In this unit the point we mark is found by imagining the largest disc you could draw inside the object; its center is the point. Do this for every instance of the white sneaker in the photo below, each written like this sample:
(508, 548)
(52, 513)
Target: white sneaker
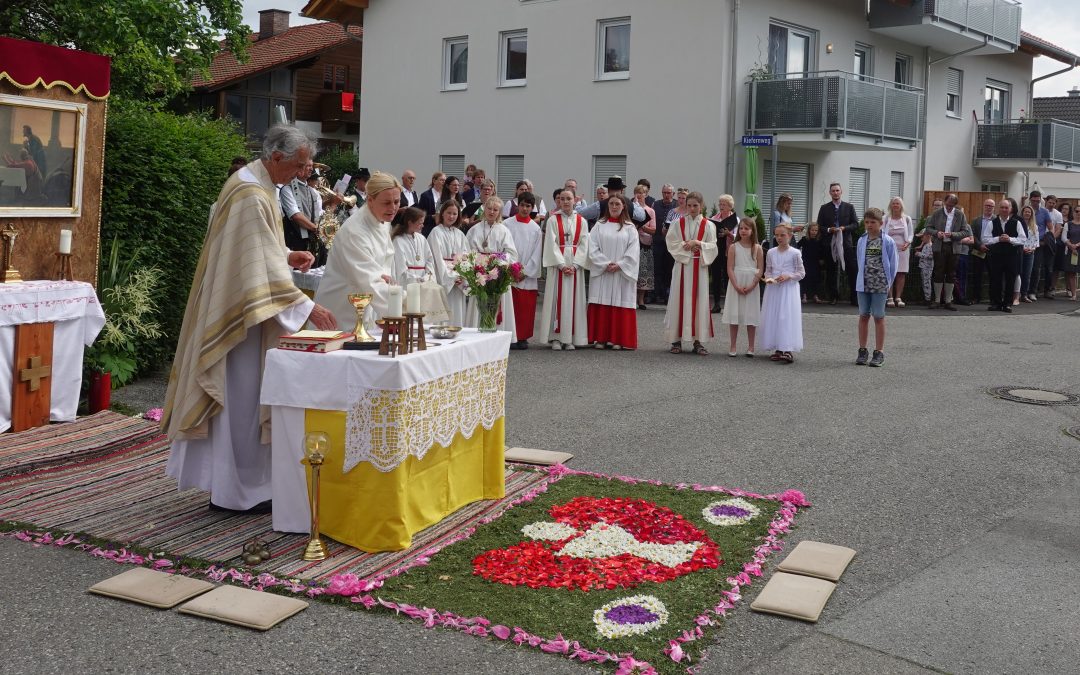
(1032, 297)
(616, 347)
(556, 345)
(568, 347)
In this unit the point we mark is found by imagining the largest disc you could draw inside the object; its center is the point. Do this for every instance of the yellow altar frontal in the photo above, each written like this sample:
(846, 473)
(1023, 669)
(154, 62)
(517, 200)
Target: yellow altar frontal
(375, 511)
(412, 439)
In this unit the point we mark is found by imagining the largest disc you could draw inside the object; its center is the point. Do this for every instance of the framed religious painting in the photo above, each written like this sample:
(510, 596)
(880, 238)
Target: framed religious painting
(42, 147)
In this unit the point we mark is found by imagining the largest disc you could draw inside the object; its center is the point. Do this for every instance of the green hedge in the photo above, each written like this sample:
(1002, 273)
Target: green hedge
(162, 173)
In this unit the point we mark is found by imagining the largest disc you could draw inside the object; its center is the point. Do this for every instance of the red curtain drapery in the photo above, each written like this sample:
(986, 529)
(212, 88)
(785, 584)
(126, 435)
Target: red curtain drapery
(28, 65)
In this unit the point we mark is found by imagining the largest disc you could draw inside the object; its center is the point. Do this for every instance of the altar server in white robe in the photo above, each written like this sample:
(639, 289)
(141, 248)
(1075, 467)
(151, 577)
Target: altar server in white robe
(563, 320)
(491, 236)
(613, 268)
(529, 242)
(412, 257)
(219, 434)
(691, 239)
(362, 257)
(446, 241)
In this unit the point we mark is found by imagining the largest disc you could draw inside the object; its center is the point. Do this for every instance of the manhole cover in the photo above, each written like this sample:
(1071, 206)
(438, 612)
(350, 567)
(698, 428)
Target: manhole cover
(1033, 396)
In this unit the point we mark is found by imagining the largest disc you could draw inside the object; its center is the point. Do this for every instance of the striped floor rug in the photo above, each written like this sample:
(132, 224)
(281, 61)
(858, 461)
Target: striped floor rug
(125, 497)
(54, 444)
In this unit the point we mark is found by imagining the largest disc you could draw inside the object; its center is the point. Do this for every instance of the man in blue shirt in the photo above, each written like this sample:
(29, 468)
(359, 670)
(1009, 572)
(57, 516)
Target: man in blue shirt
(1044, 255)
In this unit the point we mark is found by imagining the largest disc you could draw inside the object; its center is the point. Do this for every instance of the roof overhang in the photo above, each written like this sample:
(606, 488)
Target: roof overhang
(1036, 46)
(348, 12)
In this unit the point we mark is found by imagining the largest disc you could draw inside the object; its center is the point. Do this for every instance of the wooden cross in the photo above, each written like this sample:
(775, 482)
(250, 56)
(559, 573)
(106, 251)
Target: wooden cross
(35, 373)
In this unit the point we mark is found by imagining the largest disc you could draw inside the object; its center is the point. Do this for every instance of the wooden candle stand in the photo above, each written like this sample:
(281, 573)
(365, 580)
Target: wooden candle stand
(393, 329)
(414, 332)
(65, 267)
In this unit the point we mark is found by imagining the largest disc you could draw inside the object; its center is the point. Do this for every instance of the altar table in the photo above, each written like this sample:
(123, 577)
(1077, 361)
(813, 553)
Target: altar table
(77, 318)
(413, 438)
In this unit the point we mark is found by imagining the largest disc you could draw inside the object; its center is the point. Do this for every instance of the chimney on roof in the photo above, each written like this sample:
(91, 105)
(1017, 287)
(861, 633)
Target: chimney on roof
(273, 22)
(1074, 92)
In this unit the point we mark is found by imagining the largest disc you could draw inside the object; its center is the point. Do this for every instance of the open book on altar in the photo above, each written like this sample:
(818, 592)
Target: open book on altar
(314, 340)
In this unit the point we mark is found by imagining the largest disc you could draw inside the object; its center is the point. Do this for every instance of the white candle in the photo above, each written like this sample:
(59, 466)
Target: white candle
(394, 302)
(65, 241)
(412, 298)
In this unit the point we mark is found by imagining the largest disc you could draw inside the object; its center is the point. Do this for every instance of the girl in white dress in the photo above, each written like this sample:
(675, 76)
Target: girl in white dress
(491, 236)
(691, 240)
(742, 305)
(781, 310)
(613, 270)
(563, 319)
(412, 257)
(446, 241)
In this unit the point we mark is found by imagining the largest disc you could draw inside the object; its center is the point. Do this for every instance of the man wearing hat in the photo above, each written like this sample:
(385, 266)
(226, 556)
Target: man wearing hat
(615, 186)
(360, 186)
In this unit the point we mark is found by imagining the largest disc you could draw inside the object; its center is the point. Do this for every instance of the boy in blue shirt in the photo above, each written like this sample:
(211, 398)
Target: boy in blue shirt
(878, 260)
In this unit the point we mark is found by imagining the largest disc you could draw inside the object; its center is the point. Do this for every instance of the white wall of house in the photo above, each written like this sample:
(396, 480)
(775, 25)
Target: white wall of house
(670, 117)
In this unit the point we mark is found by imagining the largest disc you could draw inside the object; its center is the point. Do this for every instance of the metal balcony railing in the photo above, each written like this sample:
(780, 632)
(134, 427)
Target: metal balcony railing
(1050, 143)
(835, 103)
(997, 19)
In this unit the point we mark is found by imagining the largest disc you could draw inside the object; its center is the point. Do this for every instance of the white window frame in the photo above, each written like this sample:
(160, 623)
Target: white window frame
(504, 54)
(950, 184)
(905, 62)
(448, 64)
(958, 95)
(853, 173)
(994, 186)
(896, 178)
(811, 37)
(601, 48)
(868, 60)
(1005, 89)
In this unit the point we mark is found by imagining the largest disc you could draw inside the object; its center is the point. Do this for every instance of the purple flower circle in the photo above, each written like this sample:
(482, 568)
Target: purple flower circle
(630, 614)
(730, 510)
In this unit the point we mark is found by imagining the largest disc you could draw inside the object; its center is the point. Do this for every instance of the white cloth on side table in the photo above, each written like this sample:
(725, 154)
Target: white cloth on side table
(77, 318)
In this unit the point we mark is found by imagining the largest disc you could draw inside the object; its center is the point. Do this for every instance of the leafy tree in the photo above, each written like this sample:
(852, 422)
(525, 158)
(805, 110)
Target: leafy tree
(156, 46)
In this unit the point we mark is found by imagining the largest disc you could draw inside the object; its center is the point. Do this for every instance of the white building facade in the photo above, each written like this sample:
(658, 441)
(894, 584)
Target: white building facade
(553, 89)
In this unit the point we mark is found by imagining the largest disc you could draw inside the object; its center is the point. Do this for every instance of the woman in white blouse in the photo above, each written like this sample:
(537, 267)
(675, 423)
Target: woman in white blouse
(898, 225)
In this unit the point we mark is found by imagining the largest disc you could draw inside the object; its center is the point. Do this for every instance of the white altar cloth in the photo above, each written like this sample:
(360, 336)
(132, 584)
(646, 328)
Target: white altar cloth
(343, 378)
(77, 319)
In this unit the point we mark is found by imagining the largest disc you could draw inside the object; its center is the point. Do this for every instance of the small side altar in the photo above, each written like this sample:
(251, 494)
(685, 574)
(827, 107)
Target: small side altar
(65, 314)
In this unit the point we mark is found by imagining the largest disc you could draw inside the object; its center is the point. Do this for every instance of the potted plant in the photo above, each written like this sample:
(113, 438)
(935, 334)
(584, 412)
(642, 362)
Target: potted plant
(487, 277)
(126, 292)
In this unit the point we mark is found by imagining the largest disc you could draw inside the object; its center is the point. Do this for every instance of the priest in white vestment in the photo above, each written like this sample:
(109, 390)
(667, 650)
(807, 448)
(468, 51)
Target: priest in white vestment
(691, 239)
(242, 299)
(362, 257)
(563, 320)
(491, 236)
(447, 240)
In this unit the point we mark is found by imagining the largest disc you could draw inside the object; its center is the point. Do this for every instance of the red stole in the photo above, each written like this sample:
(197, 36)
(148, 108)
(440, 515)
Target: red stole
(682, 279)
(562, 248)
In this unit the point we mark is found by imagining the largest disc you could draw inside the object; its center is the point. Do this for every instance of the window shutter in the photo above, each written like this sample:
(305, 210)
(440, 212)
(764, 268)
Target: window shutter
(952, 81)
(509, 169)
(858, 188)
(453, 165)
(604, 167)
(896, 184)
(794, 179)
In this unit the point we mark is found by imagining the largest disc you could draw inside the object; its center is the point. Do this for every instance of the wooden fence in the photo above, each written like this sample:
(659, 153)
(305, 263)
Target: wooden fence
(970, 202)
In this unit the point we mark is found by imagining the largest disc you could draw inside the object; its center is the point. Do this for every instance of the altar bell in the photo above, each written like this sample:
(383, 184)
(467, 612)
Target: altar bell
(563, 320)
(528, 239)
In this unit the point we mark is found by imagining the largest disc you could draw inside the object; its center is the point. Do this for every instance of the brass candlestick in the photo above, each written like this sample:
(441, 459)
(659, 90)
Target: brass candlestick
(393, 328)
(414, 332)
(316, 444)
(65, 267)
(360, 302)
(8, 274)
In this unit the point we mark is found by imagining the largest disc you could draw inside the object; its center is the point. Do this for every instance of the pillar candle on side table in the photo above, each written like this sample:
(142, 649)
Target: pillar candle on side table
(65, 241)
(394, 302)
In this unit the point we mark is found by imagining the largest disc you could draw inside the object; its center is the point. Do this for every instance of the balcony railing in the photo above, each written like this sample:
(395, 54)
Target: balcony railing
(835, 103)
(1047, 143)
(950, 24)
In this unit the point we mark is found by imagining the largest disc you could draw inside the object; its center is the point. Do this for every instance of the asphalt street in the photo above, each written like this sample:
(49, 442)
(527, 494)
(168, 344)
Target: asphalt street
(964, 508)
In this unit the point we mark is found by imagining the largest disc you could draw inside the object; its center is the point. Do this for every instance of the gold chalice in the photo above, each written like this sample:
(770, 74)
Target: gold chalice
(360, 302)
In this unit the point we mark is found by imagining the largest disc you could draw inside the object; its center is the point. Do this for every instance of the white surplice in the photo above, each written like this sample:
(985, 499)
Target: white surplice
(412, 260)
(610, 244)
(529, 242)
(679, 231)
(485, 238)
(444, 243)
(361, 254)
(564, 317)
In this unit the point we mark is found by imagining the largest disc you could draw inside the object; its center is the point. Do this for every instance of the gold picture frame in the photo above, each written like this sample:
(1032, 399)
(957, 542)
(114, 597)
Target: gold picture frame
(42, 157)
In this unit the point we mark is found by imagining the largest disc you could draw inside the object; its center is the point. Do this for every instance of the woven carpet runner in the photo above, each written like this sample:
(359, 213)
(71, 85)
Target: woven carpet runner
(125, 497)
(53, 444)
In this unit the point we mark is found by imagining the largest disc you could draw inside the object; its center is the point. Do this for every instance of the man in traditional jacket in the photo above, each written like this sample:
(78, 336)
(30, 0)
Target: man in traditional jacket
(242, 300)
